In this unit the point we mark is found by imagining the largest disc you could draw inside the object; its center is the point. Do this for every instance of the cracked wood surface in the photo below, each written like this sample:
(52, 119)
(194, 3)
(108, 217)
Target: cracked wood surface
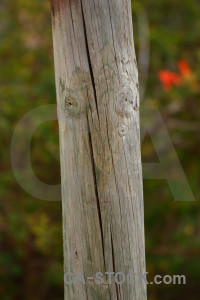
(98, 103)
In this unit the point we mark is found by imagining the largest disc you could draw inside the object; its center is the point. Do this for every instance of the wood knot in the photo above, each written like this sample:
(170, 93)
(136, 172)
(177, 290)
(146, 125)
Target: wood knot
(74, 100)
(127, 102)
(71, 105)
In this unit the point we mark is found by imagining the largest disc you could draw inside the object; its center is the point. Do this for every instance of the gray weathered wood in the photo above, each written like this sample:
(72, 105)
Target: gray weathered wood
(98, 111)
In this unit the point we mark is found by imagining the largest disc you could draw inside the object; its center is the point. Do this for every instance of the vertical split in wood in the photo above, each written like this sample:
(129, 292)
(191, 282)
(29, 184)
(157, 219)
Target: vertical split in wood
(98, 102)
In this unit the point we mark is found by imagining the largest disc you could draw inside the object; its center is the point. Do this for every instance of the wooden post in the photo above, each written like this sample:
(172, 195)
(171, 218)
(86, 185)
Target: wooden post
(98, 111)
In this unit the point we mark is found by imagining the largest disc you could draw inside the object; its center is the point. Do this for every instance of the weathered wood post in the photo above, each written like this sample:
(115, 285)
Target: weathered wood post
(98, 111)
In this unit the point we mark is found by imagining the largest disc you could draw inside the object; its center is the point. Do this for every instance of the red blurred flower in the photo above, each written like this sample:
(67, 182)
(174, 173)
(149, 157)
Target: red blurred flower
(184, 68)
(168, 79)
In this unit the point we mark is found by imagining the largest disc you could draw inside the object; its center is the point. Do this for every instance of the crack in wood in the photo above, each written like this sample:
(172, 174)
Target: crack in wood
(113, 263)
(89, 61)
(96, 191)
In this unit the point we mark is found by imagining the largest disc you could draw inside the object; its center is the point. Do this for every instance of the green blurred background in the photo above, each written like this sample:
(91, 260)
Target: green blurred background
(31, 259)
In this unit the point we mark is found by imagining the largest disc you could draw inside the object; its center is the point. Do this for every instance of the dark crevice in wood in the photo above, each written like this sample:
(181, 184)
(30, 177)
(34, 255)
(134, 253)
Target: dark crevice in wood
(96, 189)
(89, 60)
(89, 133)
(113, 263)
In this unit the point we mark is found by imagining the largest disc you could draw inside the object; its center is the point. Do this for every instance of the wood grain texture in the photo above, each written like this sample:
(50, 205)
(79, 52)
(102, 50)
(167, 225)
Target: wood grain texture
(98, 112)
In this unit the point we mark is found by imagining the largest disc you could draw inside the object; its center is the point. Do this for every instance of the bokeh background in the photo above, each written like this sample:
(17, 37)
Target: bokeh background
(31, 259)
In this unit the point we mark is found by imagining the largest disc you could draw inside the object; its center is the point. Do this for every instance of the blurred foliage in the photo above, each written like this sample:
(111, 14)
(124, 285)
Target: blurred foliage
(31, 261)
